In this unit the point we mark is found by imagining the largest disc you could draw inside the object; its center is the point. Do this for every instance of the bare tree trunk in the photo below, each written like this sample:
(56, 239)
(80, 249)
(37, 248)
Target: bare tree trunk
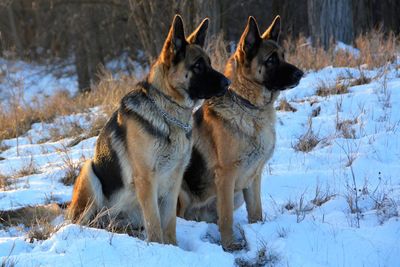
(294, 16)
(386, 14)
(95, 53)
(152, 20)
(330, 20)
(362, 16)
(11, 19)
(82, 69)
(214, 10)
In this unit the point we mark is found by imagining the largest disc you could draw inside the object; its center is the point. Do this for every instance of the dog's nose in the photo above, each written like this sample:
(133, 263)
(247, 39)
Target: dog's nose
(298, 74)
(225, 83)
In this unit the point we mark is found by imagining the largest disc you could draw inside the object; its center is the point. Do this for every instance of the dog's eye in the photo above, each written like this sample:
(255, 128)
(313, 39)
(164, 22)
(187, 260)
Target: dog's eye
(272, 60)
(198, 66)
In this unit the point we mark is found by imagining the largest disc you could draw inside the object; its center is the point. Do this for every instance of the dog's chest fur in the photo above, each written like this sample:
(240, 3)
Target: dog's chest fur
(258, 147)
(138, 136)
(175, 148)
(167, 143)
(255, 150)
(254, 135)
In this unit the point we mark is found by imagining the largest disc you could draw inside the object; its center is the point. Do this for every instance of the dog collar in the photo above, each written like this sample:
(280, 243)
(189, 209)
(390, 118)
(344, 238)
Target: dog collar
(242, 101)
(187, 127)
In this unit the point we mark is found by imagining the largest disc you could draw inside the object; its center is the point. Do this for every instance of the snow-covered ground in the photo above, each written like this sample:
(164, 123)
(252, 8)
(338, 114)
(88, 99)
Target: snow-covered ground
(28, 82)
(337, 205)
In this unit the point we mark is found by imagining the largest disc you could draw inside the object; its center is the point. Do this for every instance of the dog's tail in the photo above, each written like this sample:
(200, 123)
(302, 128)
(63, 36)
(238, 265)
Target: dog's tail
(87, 196)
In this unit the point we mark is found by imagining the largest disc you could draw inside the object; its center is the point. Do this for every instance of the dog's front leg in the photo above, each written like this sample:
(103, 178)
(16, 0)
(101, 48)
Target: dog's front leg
(225, 183)
(146, 188)
(168, 209)
(252, 197)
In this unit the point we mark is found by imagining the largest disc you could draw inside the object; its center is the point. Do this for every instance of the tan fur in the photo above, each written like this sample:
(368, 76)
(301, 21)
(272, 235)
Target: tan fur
(82, 205)
(226, 152)
(153, 152)
(235, 142)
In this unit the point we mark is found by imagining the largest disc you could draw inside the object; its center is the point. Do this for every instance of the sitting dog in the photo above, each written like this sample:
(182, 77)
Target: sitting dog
(144, 148)
(234, 135)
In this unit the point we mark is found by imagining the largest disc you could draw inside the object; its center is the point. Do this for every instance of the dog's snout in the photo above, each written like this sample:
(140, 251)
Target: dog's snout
(298, 74)
(225, 83)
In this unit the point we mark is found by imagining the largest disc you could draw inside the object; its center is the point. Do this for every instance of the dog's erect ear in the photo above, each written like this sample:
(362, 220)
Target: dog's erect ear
(273, 30)
(198, 36)
(250, 40)
(175, 44)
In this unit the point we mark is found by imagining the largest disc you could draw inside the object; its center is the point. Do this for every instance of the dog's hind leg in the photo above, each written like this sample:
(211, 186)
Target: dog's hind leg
(86, 196)
(183, 201)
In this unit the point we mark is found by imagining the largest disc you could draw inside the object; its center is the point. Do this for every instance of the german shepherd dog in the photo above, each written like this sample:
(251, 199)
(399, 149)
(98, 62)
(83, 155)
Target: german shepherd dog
(234, 135)
(144, 148)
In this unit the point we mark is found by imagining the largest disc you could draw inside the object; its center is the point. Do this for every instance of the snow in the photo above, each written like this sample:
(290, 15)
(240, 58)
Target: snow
(308, 198)
(30, 82)
(347, 48)
(74, 245)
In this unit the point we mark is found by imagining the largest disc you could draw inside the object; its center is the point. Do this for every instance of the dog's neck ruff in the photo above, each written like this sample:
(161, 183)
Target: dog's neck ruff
(187, 127)
(241, 101)
(244, 103)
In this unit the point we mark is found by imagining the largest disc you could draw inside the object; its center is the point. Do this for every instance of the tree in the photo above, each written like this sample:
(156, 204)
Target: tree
(362, 16)
(330, 20)
(294, 16)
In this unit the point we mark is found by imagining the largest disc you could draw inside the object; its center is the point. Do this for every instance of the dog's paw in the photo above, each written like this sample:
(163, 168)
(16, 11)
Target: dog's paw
(255, 219)
(234, 246)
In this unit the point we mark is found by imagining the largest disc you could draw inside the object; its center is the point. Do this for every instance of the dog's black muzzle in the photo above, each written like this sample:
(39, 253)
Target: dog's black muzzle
(286, 76)
(209, 84)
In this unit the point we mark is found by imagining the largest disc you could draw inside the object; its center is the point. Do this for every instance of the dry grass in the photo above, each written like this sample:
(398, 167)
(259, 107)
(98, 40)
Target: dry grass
(376, 49)
(265, 256)
(37, 218)
(70, 175)
(5, 182)
(105, 220)
(217, 48)
(307, 141)
(28, 169)
(72, 168)
(30, 216)
(345, 128)
(71, 129)
(18, 119)
(339, 88)
(94, 130)
(41, 231)
(360, 80)
(284, 105)
(3, 147)
(96, 126)
(321, 197)
(386, 207)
